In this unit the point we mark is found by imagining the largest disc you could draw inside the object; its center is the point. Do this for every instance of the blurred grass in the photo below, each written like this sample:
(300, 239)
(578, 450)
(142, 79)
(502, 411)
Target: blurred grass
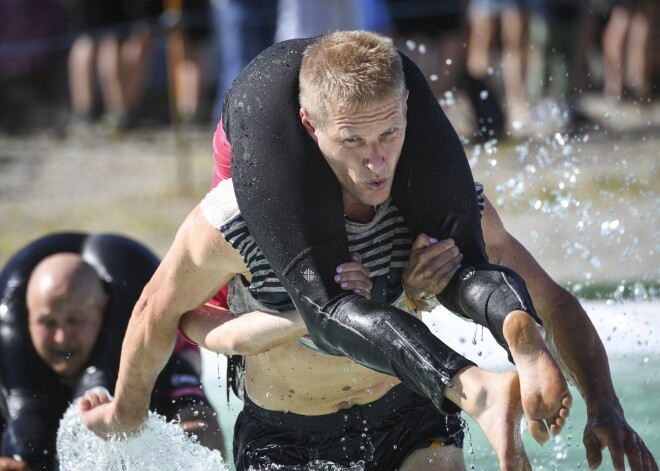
(128, 185)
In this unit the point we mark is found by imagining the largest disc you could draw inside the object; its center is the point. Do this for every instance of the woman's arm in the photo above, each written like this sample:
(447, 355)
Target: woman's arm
(217, 329)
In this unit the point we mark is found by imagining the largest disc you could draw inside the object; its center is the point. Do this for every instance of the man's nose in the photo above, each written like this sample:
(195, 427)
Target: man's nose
(376, 157)
(62, 335)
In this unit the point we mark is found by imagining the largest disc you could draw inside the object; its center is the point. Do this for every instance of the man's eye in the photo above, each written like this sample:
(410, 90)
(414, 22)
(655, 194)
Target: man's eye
(389, 132)
(351, 139)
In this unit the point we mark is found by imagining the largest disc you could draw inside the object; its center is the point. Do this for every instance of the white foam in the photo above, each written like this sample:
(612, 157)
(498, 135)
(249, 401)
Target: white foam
(629, 328)
(159, 446)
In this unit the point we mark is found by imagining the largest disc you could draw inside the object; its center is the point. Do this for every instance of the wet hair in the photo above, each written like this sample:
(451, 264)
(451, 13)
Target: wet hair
(347, 70)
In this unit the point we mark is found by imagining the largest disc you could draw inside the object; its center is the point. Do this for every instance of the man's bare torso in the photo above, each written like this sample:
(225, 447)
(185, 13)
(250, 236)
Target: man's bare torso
(295, 379)
(291, 377)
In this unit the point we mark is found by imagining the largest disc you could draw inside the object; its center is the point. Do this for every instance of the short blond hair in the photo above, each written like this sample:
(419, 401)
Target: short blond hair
(347, 70)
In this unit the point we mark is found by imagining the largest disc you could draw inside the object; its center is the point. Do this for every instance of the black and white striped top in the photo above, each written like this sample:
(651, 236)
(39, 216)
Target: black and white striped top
(383, 244)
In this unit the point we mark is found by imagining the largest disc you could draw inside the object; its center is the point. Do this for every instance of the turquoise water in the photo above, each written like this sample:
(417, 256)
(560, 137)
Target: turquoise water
(628, 332)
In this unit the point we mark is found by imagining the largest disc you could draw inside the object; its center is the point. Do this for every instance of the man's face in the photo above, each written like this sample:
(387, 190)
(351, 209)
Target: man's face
(64, 325)
(363, 148)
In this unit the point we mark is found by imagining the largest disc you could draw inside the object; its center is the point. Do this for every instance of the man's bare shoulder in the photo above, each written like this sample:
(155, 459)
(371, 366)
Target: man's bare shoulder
(206, 246)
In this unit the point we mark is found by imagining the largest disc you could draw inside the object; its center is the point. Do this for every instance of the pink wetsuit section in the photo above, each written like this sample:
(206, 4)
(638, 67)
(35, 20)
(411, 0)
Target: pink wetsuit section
(222, 171)
(221, 155)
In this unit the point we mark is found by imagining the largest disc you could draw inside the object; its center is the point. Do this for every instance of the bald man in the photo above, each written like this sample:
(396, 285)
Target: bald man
(67, 303)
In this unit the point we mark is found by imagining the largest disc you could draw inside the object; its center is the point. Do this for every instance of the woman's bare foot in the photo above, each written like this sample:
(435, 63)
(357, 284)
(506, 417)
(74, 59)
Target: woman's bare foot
(544, 392)
(493, 401)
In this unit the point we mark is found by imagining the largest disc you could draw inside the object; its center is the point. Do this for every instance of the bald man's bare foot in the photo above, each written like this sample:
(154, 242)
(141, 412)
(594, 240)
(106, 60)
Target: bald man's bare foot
(493, 401)
(544, 392)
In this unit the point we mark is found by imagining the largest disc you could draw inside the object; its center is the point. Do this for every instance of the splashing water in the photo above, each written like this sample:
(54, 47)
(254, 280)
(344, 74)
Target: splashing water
(597, 207)
(159, 446)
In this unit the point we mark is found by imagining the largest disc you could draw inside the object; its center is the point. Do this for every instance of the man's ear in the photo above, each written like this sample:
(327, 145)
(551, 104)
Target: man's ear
(311, 130)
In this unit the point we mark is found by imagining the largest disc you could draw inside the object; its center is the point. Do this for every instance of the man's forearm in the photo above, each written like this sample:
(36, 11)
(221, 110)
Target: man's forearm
(578, 348)
(145, 352)
(569, 331)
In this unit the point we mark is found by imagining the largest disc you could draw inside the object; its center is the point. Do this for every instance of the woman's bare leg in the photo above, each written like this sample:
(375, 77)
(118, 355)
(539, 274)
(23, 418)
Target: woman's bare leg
(544, 391)
(493, 401)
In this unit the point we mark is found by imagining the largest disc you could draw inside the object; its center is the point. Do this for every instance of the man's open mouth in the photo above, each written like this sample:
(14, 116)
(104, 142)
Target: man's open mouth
(376, 185)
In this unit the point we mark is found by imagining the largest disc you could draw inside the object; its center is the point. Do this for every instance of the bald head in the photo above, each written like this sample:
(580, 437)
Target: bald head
(63, 274)
(65, 300)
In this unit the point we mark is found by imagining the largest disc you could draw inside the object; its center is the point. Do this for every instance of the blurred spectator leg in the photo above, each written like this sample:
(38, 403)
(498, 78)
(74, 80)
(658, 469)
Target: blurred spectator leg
(482, 32)
(488, 113)
(613, 39)
(433, 34)
(110, 83)
(134, 62)
(81, 60)
(638, 54)
(196, 32)
(189, 82)
(514, 64)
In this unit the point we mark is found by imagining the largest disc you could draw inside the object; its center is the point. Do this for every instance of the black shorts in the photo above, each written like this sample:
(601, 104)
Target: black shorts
(380, 434)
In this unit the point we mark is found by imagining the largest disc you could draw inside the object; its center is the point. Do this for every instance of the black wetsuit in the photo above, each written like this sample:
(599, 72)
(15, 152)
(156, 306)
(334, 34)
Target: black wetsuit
(280, 175)
(34, 395)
